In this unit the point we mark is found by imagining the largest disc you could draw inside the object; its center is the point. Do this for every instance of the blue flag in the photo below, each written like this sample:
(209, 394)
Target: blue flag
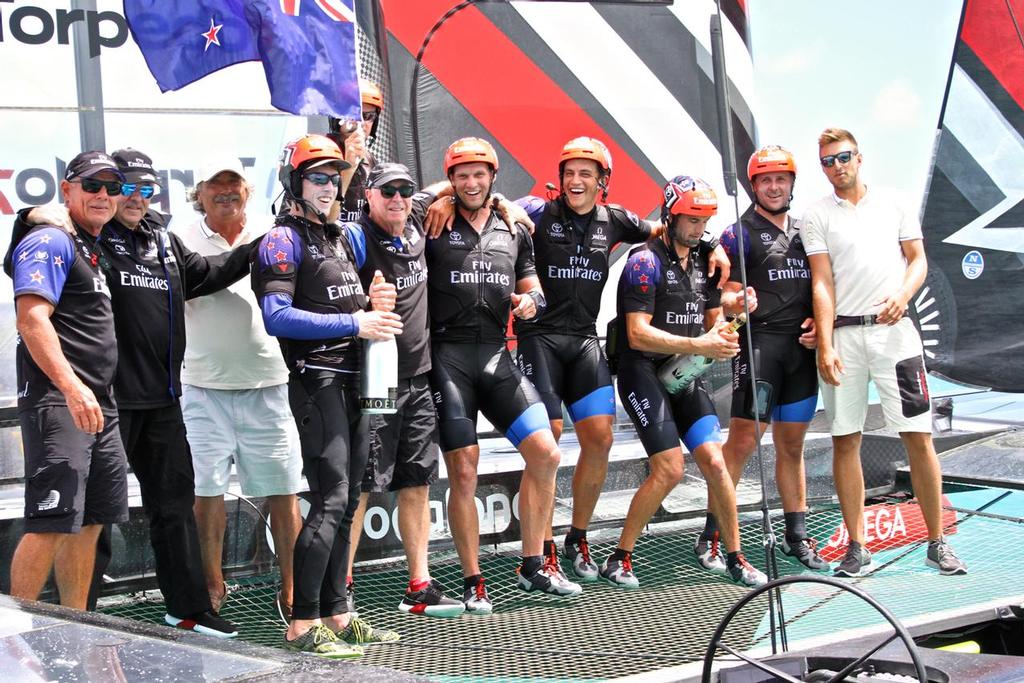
(308, 47)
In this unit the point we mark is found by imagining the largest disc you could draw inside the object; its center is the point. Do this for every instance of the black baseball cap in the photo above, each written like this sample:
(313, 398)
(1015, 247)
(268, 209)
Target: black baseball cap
(382, 174)
(88, 164)
(135, 166)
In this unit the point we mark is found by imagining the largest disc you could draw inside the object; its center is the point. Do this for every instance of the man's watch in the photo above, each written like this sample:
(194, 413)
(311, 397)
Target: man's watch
(709, 240)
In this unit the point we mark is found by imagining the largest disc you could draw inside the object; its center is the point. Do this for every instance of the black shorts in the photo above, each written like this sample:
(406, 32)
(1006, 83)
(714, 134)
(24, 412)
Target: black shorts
(469, 377)
(570, 369)
(72, 479)
(662, 420)
(403, 446)
(787, 379)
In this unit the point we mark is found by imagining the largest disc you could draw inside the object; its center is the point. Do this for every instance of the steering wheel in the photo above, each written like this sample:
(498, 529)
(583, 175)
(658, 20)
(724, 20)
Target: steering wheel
(900, 632)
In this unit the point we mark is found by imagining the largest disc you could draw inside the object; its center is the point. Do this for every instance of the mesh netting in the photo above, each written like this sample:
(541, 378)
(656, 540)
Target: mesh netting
(609, 632)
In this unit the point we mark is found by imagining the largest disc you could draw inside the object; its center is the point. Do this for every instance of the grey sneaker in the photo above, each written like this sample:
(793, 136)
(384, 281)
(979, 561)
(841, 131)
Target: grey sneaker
(941, 557)
(620, 572)
(856, 562)
(321, 641)
(477, 600)
(746, 574)
(582, 565)
(805, 551)
(709, 555)
(359, 632)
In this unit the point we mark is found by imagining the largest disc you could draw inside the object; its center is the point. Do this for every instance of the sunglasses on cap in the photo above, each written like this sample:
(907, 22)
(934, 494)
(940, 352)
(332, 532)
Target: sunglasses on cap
(323, 178)
(370, 116)
(92, 186)
(145, 191)
(389, 191)
(843, 158)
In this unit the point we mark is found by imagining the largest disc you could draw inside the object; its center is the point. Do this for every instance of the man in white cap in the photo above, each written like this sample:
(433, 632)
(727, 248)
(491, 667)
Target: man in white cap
(234, 395)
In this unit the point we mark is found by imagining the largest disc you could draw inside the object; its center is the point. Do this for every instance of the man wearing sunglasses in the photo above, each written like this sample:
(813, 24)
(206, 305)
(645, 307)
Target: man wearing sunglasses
(403, 446)
(75, 469)
(867, 260)
(233, 367)
(150, 273)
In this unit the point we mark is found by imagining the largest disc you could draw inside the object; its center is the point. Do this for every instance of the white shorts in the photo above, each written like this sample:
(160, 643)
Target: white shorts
(252, 427)
(891, 356)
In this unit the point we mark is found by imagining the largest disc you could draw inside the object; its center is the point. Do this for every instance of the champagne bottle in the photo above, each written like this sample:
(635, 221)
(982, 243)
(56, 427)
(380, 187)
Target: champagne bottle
(379, 379)
(681, 370)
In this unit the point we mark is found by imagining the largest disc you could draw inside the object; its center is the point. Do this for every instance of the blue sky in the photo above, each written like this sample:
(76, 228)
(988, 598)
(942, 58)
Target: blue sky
(878, 69)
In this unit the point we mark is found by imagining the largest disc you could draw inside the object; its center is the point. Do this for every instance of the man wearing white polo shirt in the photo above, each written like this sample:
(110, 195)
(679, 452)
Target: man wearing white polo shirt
(235, 388)
(867, 261)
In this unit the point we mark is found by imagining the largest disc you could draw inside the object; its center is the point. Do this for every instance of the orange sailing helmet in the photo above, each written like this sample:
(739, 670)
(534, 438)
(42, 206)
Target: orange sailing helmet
(770, 159)
(688, 196)
(469, 150)
(303, 153)
(592, 149)
(370, 94)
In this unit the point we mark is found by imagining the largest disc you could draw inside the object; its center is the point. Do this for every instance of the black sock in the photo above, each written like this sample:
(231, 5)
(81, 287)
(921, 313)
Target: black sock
(796, 526)
(575, 535)
(710, 527)
(471, 581)
(549, 548)
(733, 559)
(531, 565)
(619, 554)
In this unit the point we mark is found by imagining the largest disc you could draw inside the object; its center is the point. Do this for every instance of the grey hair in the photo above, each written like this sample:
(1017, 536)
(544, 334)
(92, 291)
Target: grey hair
(192, 196)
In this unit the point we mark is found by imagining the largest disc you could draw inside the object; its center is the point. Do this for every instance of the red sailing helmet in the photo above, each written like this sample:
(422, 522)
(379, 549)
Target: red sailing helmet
(469, 150)
(771, 159)
(688, 196)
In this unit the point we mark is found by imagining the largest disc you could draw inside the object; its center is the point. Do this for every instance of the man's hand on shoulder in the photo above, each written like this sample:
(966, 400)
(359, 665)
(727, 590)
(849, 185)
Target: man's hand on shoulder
(51, 214)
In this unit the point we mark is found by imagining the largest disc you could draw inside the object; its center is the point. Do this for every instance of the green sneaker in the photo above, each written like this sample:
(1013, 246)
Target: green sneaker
(359, 632)
(321, 641)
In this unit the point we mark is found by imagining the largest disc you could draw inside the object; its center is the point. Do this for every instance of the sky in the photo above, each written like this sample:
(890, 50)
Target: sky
(878, 69)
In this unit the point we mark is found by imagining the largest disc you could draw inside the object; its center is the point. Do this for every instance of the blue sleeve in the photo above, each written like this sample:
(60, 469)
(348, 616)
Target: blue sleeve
(358, 241)
(731, 244)
(640, 278)
(284, 320)
(533, 206)
(281, 249)
(42, 262)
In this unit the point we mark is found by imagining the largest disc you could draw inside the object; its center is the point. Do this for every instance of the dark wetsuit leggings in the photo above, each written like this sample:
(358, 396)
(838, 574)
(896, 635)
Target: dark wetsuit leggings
(332, 433)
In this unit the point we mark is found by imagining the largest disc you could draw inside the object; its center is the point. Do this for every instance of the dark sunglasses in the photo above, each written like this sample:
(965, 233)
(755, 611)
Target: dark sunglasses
(92, 186)
(145, 191)
(389, 191)
(370, 116)
(323, 178)
(843, 158)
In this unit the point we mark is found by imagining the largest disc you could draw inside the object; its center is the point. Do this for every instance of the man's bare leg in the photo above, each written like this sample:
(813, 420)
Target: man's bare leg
(414, 525)
(462, 513)
(285, 524)
(212, 522)
(73, 564)
(849, 482)
(926, 478)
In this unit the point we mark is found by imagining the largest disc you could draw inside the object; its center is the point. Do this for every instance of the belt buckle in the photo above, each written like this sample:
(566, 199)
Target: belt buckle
(867, 320)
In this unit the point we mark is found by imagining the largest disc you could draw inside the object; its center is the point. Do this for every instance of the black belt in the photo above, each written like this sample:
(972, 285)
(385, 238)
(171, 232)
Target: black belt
(850, 320)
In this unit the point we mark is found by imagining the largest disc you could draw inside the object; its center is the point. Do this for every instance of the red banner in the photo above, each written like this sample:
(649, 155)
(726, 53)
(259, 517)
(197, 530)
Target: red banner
(888, 526)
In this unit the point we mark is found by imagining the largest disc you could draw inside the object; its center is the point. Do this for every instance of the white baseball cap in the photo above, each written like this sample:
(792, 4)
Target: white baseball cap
(220, 165)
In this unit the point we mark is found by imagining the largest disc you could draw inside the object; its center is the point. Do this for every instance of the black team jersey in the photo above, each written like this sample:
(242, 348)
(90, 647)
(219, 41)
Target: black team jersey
(472, 277)
(654, 282)
(777, 269)
(572, 255)
(64, 270)
(403, 262)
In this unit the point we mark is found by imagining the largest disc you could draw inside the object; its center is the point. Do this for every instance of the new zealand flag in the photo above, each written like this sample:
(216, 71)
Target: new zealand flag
(307, 47)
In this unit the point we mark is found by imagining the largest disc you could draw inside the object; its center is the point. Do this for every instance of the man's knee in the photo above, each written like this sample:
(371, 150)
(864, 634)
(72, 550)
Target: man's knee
(462, 470)
(667, 468)
(541, 453)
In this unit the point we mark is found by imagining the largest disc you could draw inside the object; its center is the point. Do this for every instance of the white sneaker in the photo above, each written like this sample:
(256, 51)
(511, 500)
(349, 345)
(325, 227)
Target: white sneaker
(709, 555)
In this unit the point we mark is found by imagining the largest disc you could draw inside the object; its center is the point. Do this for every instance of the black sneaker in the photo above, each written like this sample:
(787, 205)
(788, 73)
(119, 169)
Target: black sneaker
(548, 579)
(805, 551)
(207, 623)
(431, 601)
(350, 598)
(619, 572)
(941, 556)
(856, 562)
